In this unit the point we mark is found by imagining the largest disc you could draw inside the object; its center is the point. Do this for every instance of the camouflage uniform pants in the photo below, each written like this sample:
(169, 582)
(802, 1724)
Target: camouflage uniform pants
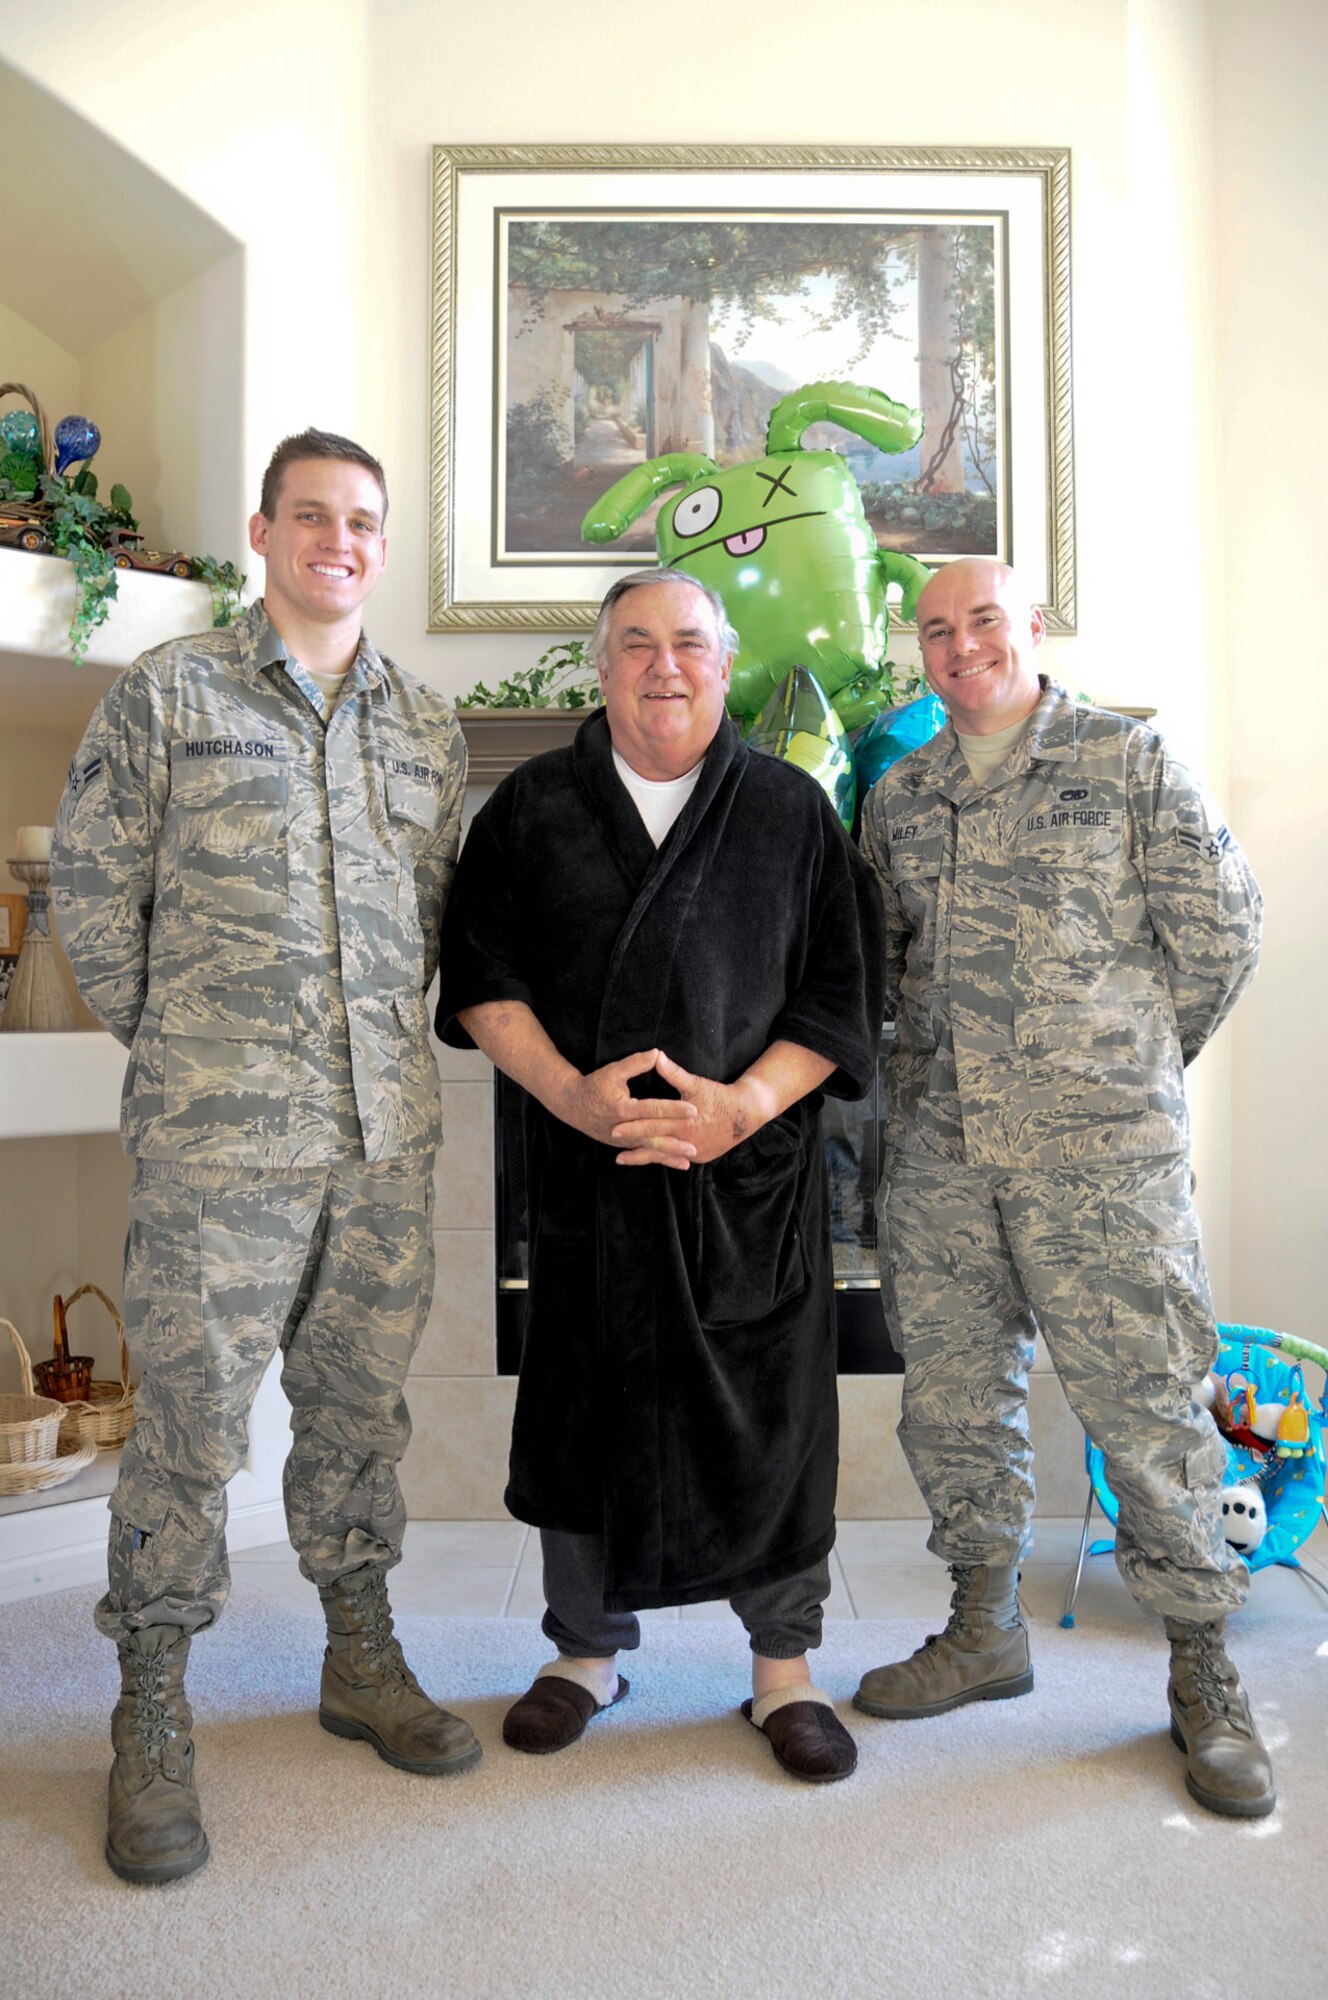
(222, 1266)
(1106, 1263)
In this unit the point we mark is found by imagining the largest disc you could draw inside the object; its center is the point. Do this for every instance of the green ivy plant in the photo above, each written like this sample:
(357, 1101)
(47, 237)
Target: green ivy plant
(563, 678)
(80, 528)
(225, 583)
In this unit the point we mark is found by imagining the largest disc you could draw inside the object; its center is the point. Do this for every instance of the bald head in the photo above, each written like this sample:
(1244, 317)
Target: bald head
(979, 632)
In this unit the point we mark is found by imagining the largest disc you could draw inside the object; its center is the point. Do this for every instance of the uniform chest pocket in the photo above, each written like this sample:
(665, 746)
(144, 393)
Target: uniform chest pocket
(1066, 889)
(411, 803)
(915, 868)
(749, 1250)
(231, 818)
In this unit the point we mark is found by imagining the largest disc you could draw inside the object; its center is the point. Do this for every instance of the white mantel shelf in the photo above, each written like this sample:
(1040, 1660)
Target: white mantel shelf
(40, 687)
(60, 1086)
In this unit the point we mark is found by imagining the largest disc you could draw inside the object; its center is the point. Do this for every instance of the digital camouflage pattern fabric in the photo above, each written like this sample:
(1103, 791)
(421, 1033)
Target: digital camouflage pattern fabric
(222, 1266)
(1063, 936)
(1106, 1264)
(1061, 939)
(249, 885)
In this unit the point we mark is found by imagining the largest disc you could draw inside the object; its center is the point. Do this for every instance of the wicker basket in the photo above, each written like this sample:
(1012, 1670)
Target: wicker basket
(43, 425)
(107, 1417)
(70, 1458)
(28, 1424)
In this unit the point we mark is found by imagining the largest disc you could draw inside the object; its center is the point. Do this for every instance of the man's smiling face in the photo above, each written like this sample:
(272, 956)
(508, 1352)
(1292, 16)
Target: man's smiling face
(664, 677)
(325, 546)
(978, 634)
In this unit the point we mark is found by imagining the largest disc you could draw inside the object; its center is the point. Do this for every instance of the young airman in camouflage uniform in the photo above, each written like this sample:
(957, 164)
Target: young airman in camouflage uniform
(1067, 925)
(251, 859)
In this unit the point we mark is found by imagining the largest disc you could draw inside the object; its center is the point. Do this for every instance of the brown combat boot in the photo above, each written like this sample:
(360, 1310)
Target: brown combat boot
(982, 1655)
(154, 1824)
(368, 1691)
(1227, 1767)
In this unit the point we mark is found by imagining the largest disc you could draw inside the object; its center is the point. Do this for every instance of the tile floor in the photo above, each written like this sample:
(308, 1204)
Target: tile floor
(879, 1569)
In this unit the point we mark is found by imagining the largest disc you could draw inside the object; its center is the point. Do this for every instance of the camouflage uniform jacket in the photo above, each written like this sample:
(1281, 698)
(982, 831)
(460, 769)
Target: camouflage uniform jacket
(1061, 939)
(250, 898)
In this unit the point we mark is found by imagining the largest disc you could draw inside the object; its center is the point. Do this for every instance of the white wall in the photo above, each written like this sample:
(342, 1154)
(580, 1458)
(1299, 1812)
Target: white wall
(304, 127)
(1270, 173)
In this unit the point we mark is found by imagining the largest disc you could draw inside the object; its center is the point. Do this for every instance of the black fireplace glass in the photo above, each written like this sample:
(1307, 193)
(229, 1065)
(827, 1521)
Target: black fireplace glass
(851, 1135)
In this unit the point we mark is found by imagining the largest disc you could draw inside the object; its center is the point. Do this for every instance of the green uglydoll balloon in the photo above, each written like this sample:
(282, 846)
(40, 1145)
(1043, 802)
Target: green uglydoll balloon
(798, 725)
(785, 542)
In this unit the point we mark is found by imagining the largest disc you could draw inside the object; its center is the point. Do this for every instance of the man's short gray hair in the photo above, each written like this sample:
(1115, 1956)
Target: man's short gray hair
(633, 580)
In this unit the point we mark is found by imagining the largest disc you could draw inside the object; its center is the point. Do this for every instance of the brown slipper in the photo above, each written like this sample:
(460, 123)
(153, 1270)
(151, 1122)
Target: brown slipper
(807, 1737)
(552, 1713)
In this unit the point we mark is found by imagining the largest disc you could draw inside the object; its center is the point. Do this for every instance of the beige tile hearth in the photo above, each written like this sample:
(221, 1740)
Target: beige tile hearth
(459, 1335)
(456, 1467)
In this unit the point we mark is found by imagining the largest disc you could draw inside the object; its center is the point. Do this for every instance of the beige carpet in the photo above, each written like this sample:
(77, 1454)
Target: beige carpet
(1037, 1847)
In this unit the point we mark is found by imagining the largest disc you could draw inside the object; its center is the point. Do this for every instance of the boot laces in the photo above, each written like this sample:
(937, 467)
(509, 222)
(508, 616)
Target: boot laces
(152, 1717)
(378, 1638)
(1213, 1682)
(961, 1576)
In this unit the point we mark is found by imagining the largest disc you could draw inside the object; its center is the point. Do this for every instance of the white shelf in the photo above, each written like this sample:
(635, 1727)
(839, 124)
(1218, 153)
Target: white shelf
(60, 1086)
(40, 687)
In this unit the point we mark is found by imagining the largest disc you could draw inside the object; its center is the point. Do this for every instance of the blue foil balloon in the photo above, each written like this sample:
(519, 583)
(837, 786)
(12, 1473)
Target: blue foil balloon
(76, 438)
(799, 726)
(893, 733)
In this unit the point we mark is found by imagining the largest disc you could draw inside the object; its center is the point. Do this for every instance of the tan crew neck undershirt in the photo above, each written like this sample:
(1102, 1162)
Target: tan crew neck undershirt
(983, 753)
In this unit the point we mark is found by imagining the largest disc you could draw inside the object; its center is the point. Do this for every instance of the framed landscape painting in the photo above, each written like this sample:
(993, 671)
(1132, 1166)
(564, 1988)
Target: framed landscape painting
(595, 308)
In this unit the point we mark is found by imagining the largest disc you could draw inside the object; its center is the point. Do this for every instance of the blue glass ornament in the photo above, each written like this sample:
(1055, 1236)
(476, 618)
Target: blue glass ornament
(799, 725)
(76, 438)
(891, 735)
(21, 432)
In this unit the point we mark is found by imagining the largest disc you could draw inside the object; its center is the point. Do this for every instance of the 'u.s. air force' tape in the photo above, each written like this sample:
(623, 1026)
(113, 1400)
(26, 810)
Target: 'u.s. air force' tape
(82, 775)
(1208, 846)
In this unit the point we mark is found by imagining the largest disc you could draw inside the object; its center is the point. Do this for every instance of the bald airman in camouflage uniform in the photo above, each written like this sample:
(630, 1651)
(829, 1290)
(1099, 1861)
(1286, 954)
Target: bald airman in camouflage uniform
(1067, 925)
(251, 860)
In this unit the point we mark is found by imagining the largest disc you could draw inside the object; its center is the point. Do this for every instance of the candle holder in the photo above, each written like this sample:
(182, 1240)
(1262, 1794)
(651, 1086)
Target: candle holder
(37, 1002)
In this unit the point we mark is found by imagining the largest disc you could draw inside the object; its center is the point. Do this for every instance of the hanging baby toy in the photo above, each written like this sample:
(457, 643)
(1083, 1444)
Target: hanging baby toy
(786, 544)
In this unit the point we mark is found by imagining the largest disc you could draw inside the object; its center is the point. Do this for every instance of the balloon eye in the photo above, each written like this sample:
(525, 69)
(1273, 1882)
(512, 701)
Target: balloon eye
(697, 511)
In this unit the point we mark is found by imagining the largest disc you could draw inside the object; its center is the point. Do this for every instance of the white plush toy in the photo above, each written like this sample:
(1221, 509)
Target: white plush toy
(1244, 1517)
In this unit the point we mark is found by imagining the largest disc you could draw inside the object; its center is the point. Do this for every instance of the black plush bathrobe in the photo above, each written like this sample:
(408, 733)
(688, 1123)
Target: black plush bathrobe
(677, 1388)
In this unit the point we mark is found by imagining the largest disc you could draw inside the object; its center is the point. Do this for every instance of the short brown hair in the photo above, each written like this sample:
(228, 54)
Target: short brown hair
(314, 444)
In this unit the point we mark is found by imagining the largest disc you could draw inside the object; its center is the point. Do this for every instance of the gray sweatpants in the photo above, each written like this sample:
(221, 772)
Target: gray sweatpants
(222, 1266)
(1106, 1263)
(782, 1620)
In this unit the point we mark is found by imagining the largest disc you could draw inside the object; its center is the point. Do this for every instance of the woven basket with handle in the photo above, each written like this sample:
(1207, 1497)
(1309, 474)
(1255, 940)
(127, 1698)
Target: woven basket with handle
(35, 1449)
(107, 1417)
(28, 1423)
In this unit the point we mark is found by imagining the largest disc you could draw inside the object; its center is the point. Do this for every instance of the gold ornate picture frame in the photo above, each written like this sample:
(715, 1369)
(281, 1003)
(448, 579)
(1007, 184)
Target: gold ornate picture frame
(593, 306)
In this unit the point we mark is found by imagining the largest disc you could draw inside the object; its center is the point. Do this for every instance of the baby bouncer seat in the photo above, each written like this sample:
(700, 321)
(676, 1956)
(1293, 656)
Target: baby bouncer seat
(1273, 1495)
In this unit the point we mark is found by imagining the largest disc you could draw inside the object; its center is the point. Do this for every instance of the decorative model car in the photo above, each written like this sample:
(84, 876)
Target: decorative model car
(132, 555)
(23, 527)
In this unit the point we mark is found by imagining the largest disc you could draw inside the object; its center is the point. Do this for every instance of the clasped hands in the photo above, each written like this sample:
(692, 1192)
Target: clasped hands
(705, 1120)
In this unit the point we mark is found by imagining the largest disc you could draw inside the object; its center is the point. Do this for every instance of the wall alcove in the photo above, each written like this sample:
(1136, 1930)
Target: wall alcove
(123, 301)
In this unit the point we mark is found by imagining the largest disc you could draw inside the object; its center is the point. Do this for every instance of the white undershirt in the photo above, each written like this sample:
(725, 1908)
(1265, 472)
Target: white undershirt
(658, 800)
(983, 753)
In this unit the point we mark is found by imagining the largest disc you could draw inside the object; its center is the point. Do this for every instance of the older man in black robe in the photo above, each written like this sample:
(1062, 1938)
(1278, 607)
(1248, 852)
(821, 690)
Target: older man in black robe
(666, 939)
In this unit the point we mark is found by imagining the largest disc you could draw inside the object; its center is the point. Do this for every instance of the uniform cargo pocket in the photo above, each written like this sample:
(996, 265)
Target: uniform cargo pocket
(231, 822)
(1160, 1313)
(749, 1251)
